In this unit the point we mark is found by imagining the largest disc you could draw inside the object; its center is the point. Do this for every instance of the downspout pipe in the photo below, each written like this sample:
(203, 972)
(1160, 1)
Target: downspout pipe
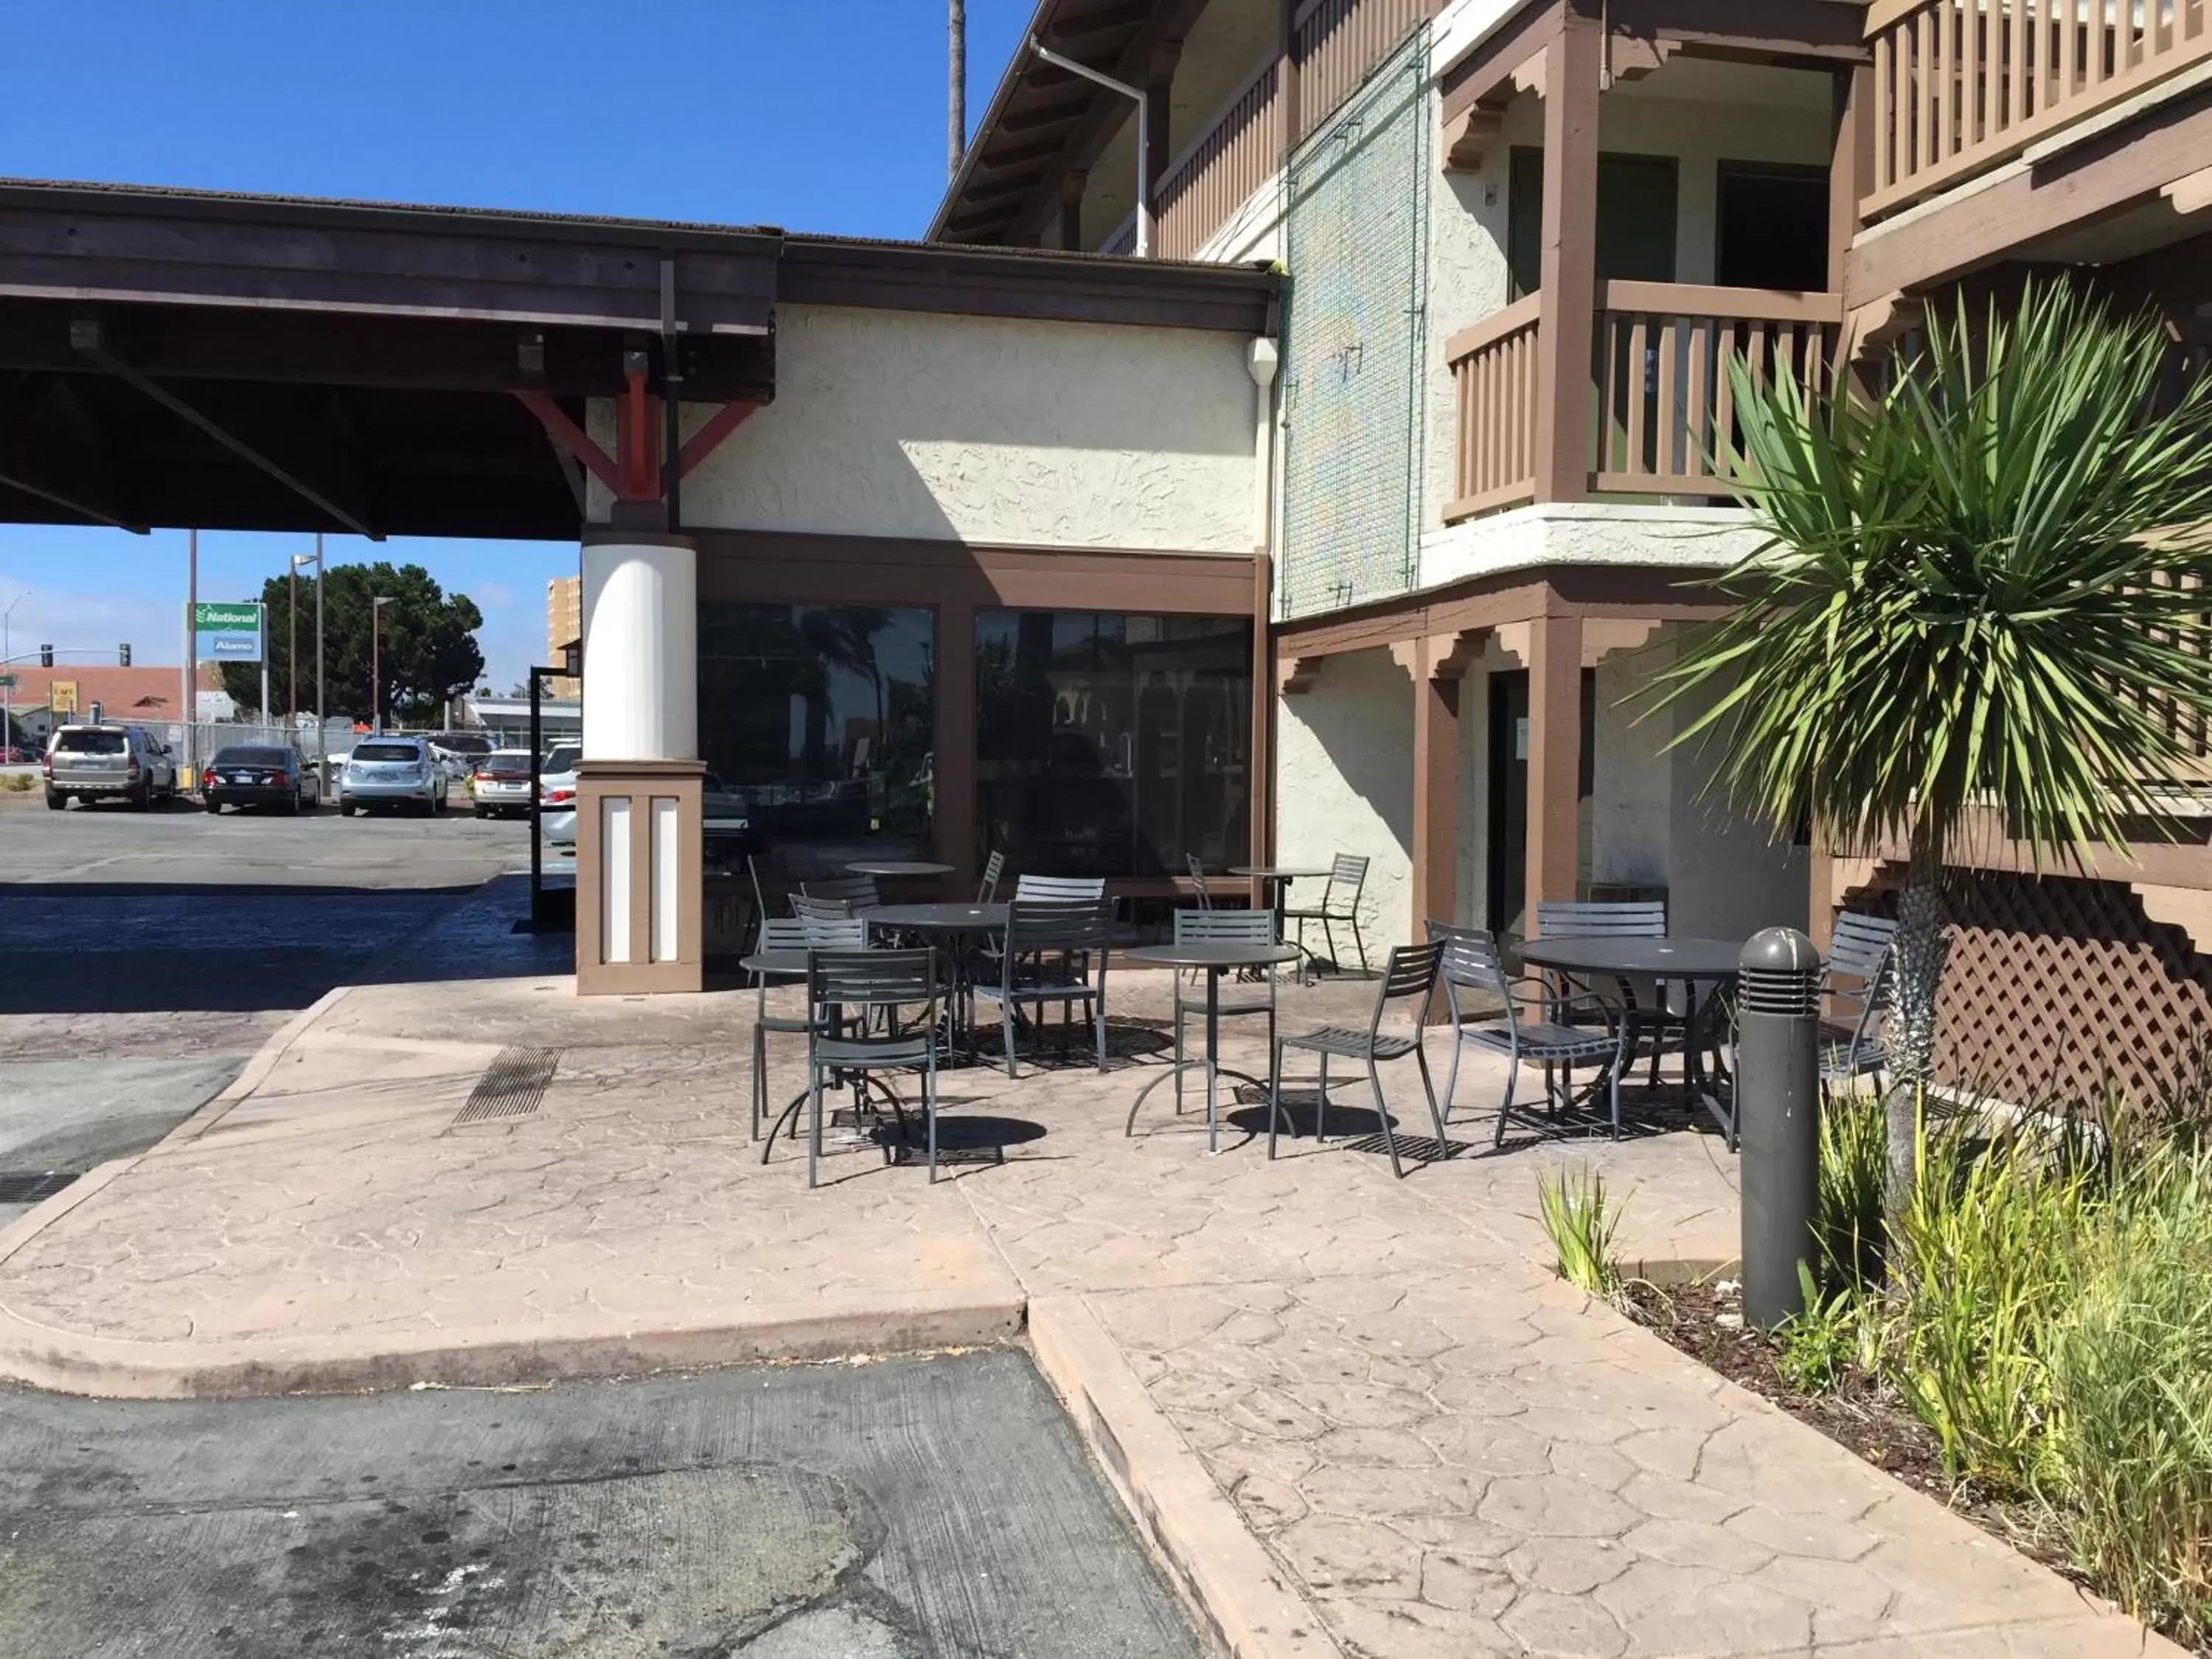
(1144, 148)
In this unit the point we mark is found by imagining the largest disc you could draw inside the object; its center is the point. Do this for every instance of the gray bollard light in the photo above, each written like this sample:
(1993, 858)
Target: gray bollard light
(1778, 1108)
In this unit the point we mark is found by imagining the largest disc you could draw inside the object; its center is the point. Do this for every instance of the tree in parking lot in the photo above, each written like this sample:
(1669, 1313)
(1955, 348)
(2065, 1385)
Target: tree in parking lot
(1981, 587)
(425, 645)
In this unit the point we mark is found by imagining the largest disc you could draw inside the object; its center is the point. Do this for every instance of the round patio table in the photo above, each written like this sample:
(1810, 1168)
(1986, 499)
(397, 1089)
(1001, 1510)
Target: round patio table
(958, 922)
(1277, 878)
(898, 869)
(775, 964)
(1214, 958)
(1693, 961)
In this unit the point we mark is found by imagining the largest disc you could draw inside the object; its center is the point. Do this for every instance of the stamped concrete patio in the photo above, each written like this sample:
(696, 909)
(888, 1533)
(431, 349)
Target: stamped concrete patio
(1355, 1415)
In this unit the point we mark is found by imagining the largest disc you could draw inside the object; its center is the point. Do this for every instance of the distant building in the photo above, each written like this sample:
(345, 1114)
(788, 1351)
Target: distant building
(564, 622)
(134, 696)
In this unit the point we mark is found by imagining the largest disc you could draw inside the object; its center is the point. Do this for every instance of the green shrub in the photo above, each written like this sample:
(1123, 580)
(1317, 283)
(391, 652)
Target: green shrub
(1849, 1219)
(1839, 1333)
(1581, 1218)
(2130, 1384)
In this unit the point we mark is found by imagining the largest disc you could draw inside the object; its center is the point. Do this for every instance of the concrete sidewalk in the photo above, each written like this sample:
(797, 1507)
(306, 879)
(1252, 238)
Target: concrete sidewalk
(1356, 1415)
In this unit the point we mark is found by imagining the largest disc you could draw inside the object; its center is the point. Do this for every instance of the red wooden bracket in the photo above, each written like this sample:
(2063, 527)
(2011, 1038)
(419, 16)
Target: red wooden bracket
(708, 438)
(571, 437)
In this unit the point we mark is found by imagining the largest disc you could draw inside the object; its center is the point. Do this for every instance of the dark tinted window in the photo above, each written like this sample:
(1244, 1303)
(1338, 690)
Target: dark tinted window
(91, 743)
(242, 757)
(387, 752)
(1112, 745)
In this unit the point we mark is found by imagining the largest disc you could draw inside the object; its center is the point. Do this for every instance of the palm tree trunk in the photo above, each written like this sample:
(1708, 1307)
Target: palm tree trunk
(1919, 948)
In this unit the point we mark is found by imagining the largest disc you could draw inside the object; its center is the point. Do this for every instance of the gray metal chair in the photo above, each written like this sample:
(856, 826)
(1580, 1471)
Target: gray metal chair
(810, 908)
(859, 892)
(987, 890)
(1855, 1021)
(1239, 998)
(777, 933)
(1621, 919)
(1340, 902)
(872, 983)
(1060, 889)
(1410, 977)
(1197, 868)
(1046, 957)
(1472, 967)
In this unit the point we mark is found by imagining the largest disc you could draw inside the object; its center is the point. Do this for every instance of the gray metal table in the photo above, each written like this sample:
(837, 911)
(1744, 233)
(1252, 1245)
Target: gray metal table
(1214, 958)
(898, 869)
(958, 923)
(1693, 961)
(1278, 878)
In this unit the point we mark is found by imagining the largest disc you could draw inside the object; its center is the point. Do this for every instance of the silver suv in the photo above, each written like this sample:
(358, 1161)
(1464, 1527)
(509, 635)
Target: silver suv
(399, 773)
(108, 762)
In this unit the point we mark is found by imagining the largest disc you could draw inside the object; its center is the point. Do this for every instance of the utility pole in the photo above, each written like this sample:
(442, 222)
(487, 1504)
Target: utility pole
(191, 705)
(322, 742)
(376, 662)
(292, 648)
(7, 677)
(955, 123)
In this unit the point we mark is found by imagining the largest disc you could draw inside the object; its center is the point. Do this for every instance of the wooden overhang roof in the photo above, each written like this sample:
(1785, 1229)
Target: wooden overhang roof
(1043, 121)
(193, 358)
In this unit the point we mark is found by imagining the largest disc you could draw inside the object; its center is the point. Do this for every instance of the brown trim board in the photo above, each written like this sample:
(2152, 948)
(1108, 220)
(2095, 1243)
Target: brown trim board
(1603, 592)
(772, 567)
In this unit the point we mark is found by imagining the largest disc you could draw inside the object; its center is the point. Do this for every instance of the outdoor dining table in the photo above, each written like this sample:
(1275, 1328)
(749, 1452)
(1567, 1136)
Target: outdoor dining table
(1215, 958)
(898, 869)
(1693, 961)
(1277, 879)
(957, 923)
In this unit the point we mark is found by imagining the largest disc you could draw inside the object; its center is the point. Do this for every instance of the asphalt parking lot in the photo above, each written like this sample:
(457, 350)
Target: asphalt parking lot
(908, 1508)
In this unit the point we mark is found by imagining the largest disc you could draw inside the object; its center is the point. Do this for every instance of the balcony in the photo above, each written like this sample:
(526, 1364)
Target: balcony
(1662, 397)
(1962, 86)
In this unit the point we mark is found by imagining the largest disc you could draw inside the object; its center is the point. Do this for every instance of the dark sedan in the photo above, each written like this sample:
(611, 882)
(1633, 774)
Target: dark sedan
(257, 776)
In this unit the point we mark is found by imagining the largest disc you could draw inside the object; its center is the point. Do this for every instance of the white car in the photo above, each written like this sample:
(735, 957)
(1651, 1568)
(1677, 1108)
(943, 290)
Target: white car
(500, 784)
(556, 794)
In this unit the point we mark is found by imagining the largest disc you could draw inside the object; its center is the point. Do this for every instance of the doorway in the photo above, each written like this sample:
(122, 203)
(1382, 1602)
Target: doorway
(1773, 229)
(1635, 218)
(1508, 841)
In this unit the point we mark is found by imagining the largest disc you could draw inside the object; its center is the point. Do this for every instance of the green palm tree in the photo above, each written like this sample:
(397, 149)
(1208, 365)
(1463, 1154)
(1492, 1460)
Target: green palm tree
(1982, 587)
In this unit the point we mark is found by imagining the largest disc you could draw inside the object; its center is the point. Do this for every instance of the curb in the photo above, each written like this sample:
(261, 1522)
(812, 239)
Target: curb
(64, 1362)
(1221, 1571)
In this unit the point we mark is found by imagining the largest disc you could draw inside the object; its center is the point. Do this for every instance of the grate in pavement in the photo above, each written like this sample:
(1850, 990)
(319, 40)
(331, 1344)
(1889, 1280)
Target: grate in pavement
(33, 1186)
(512, 1085)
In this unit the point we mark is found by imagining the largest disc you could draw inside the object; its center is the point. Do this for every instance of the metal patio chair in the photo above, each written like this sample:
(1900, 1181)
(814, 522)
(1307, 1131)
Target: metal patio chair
(1197, 868)
(1410, 977)
(1621, 919)
(987, 890)
(859, 892)
(874, 985)
(1855, 1022)
(810, 908)
(1239, 998)
(1060, 889)
(1046, 957)
(1472, 967)
(1340, 902)
(777, 933)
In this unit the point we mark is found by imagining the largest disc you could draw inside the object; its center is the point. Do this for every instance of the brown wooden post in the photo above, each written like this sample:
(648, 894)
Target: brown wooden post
(1159, 85)
(1071, 211)
(1555, 746)
(1820, 909)
(1850, 171)
(1261, 765)
(1436, 788)
(1286, 75)
(1565, 336)
(955, 806)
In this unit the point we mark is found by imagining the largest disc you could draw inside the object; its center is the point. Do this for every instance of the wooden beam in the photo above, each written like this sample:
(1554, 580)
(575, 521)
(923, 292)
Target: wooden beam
(1435, 790)
(1555, 739)
(1484, 73)
(1469, 140)
(1790, 28)
(1851, 166)
(1295, 676)
(1565, 336)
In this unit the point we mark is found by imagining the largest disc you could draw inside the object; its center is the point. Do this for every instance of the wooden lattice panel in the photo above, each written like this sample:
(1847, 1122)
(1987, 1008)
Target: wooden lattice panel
(2060, 990)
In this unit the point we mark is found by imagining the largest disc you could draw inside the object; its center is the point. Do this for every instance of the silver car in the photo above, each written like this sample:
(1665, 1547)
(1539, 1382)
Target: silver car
(399, 773)
(108, 762)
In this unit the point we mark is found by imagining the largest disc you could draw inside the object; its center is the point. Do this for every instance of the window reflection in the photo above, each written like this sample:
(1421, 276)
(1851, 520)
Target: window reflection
(1110, 745)
(823, 719)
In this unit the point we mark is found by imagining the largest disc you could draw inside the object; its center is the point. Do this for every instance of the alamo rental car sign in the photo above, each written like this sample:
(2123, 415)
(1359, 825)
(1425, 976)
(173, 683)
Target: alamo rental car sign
(226, 632)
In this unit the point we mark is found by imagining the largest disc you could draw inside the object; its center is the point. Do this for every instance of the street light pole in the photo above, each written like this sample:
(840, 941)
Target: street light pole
(376, 662)
(292, 648)
(322, 741)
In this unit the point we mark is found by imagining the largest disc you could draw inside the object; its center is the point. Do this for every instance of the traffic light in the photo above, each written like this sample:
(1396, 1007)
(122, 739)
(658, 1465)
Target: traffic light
(46, 656)
(123, 656)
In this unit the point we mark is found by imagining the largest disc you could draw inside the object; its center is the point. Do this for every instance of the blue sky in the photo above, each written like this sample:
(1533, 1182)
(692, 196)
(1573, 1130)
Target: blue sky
(801, 113)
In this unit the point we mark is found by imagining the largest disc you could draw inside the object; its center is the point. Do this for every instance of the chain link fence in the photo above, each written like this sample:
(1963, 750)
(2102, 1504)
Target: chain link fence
(1356, 325)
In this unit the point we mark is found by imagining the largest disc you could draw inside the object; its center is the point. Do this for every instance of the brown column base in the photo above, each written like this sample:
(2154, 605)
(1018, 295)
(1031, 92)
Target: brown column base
(640, 900)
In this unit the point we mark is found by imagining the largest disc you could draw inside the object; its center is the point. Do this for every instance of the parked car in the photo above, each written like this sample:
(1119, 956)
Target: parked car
(726, 815)
(502, 784)
(556, 793)
(256, 774)
(458, 752)
(399, 773)
(108, 762)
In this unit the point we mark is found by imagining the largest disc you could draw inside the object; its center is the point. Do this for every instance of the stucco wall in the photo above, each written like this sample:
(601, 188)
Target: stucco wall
(988, 429)
(1632, 793)
(1344, 783)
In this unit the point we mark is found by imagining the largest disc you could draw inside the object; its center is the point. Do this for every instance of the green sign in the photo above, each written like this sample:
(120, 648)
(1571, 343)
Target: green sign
(7, 682)
(212, 618)
(226, 633)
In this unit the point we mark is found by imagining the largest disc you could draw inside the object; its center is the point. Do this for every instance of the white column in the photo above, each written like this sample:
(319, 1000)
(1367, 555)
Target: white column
(641, 649)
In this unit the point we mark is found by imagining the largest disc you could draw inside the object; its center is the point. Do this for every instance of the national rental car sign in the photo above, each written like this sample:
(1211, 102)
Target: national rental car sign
(226, 632)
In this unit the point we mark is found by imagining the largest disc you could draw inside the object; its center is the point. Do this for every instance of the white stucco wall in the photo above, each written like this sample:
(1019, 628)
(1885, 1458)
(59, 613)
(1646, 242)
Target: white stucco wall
(988, 429)
(1631, 776)
(1685, 538)
(1344, 783)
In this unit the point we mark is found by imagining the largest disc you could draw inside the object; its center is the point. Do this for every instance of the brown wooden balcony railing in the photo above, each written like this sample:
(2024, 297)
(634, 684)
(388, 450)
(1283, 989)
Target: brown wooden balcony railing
(1493, 366)
(1235, 152)
(1960, 86)
(1664, 403)
(1338, 41)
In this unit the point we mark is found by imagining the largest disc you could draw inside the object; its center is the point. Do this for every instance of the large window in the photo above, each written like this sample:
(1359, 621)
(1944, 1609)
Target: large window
(821, 719)
(1112, 745)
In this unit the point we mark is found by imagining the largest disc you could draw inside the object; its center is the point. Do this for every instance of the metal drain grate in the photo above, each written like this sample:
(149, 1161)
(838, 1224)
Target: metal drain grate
(512, 1086)
(33, 1186)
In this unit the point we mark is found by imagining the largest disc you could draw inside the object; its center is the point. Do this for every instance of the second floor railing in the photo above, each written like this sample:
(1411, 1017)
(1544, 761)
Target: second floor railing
(1962, 85)
(1664, 405)
(1235, 152)
(1338, 41)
